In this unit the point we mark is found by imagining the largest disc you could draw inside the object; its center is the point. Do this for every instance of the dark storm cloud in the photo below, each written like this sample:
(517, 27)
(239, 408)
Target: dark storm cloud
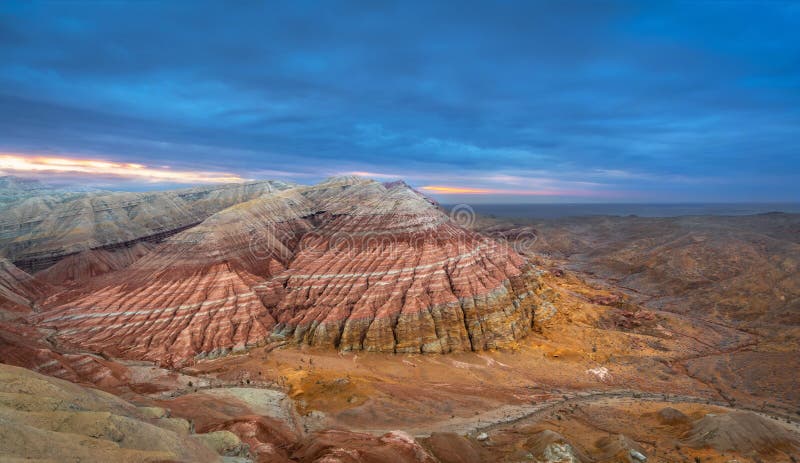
(640, 101)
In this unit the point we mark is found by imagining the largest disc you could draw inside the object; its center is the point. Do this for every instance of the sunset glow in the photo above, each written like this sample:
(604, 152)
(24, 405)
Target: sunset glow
(21, 164)
(455, 190)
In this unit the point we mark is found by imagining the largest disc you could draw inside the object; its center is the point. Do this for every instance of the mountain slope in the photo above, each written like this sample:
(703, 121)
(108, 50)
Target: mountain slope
(349, 263)
(193, 293)
(388, 271)
(47, 419)
(18, 290)
(39, 231)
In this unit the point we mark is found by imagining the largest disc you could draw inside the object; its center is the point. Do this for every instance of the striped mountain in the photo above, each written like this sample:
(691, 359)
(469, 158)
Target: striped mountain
(349, 263)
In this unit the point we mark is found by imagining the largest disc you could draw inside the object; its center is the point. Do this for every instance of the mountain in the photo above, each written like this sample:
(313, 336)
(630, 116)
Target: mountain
(77, 268)
(38, 231)
(349, 264)
(22, 344)
(388, 271)
(15, 189)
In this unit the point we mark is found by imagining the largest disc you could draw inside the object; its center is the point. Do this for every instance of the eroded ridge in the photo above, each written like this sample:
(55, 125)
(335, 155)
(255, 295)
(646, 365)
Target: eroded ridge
(350, 264)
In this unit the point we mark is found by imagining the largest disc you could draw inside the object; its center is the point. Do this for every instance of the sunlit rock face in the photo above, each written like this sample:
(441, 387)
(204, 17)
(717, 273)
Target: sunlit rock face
(390, 272)
(350, 264)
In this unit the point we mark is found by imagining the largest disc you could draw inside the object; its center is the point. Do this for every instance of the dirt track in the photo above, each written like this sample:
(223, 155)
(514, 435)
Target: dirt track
(506, 416)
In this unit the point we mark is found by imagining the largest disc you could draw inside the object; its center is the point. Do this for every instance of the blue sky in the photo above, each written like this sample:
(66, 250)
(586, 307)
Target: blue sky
(501, 101)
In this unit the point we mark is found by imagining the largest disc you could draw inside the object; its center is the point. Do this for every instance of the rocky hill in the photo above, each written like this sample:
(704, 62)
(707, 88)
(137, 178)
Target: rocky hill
(47, 419)
(38, 231)
(349, 263)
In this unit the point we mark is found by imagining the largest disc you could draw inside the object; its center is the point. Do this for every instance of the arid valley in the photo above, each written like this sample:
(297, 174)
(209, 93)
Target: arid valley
(360, 321)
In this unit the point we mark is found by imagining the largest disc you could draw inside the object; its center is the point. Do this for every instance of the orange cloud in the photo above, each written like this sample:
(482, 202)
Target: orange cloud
(20, 163)
(457, 190)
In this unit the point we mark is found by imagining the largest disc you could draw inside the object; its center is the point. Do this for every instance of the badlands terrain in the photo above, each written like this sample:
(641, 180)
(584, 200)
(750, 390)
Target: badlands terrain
(359, 321)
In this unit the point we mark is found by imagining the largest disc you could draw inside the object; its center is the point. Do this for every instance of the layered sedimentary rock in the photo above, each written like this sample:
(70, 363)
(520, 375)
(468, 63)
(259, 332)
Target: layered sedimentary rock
(39, 231)
(22, 344)
(80, 267)
(389, 271)
(193, 293)
(349, 263)
(14, 190)
(18, 290)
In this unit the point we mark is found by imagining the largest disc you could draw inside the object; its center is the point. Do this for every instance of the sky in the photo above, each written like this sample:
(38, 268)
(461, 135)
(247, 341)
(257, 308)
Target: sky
(488, 102)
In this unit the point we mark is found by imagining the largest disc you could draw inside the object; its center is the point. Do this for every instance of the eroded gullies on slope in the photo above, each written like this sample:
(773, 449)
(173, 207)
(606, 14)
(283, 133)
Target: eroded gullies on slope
(555, 393)
(349, 264)
(37, 232)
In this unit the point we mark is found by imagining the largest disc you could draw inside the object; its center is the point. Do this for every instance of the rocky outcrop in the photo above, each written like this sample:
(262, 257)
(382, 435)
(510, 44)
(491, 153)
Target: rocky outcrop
(349, 264)
(267, 438)
(390, 272)
(621, 448)
(551, 447)
(39, 231)
(344, 446)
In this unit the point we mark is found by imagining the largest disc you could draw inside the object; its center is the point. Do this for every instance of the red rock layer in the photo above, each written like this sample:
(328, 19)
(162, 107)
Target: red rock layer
(270, 439)
(349, 263)
(24, 346)
(80, 267)
(21, 344)
(390, 272)
(18, 290)
(193, 294)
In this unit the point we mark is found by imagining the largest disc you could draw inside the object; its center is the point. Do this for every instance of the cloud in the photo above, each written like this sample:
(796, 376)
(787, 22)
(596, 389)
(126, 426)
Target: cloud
(660, 100)
(28, 164)
(460, 190)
